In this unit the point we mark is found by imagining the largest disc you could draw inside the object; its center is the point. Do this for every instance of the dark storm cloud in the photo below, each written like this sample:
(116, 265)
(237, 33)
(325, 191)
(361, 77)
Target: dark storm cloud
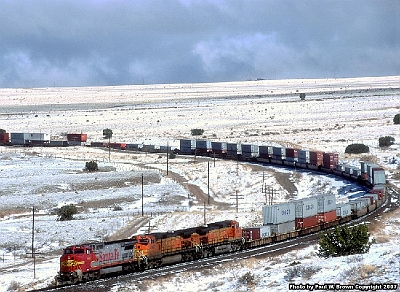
(67, 43)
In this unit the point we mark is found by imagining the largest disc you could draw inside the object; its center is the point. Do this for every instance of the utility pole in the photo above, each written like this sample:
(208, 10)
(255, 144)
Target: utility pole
(204, 209)
(208, 183)
(237, 197)
(167, 156)
(142, 196)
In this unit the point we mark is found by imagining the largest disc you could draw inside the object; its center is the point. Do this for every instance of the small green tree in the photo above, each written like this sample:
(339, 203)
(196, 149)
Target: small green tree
(386, 141)
(92, 166)
(107, 133)
(67, 212)
(197, 132)
(2, 131)
(356, 148)
(396, 119)
(343, 241)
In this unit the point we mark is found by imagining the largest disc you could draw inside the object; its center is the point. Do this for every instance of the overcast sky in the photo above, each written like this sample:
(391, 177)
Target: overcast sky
(100, 42)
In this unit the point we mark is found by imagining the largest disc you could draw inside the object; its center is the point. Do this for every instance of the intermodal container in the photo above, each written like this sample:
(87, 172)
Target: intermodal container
(291, 152)
(151, 148)
(306, 222)
(364, 166)
(326, 203)
(19, 138)
(343, 210)
(279, 213)
(379, 190)
(77, 137)
(250, 150)
(265, 151)
(203, 146)
(234, 149)
(348, 169)
(316, 157)
(361, 203)
(306, 207)
(330, 160)
(257, 232)
(370, 168)
(4, 138)
(164, 149)
(134, 146)
(219, 147)
(283, 227)
(327, 216)
(378, 176)
(187, 146)
(304, 156)
(356, 172)
(118, 145)
(58, 143)
(98, 144)
(373, 198)
(340, 167)
(279, 151)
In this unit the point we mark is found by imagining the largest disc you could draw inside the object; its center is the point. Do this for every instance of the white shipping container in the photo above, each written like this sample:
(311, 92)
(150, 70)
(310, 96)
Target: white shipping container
(379, 177)
(279, 213)
(343, 210)
(361, 203)
(306, 207)
(283, 227)
(39, 137)
(326, 203)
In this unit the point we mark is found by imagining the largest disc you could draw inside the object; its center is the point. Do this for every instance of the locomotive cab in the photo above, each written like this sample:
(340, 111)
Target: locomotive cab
(75, 261)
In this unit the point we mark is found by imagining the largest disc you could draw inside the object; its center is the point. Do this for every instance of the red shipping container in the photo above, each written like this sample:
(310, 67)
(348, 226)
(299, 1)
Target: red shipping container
(328, 216)
(316, 157)
(4, 138)
(290, 152)
(77, 137)
(306, 222)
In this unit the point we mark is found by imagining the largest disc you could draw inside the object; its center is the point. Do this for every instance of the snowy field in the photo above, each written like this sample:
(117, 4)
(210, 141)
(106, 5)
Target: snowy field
(336, 112)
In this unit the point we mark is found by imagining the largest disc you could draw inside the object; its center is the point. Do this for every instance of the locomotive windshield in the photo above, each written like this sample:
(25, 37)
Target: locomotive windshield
(74, 251)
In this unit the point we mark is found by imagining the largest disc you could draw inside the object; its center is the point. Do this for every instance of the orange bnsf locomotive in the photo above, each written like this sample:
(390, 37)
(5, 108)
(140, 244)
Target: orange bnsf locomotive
(93, 260)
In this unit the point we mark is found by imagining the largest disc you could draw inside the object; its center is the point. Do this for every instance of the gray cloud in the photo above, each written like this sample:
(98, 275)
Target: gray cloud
(104, 42)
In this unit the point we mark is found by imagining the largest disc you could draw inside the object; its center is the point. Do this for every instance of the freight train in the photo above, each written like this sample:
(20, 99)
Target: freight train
(89, 261)
(280, 221)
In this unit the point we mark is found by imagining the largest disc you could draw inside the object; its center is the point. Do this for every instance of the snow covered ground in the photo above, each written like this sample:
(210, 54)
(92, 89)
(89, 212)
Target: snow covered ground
(336, 112)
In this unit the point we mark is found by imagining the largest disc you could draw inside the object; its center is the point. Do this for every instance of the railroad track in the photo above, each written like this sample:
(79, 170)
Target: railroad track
(103, 285)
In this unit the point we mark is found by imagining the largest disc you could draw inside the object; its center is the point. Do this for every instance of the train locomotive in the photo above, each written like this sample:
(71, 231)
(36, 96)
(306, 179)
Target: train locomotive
(93, 260)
